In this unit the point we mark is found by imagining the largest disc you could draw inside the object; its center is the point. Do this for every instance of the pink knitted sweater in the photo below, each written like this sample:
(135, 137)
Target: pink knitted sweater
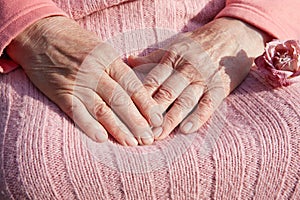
(248, 150)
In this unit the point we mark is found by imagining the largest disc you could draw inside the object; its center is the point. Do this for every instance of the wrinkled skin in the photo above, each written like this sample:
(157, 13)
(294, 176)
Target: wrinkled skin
(87, 80)
(192, 76)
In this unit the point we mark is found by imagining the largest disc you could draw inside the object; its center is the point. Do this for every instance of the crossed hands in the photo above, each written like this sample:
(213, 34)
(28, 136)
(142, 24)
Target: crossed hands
(86, 78)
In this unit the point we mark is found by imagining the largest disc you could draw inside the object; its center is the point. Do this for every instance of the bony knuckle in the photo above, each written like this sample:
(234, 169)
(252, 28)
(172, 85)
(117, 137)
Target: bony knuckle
(128, 80)
(140, 96)
(69, 109)
(101, 110)
(187, 102)
(189, 71)
(201, 115)
(119, 98)
(207, 101)
(151, 81)
(171, 120)
(132, 86)
(166, 94)
(174, 50)
(207, 105)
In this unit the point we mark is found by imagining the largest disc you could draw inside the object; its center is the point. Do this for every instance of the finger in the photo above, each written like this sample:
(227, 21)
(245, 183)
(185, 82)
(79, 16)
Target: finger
(114, 85)
(103, 114)
(121, 103)
(206, 107)
(128, 80)
(74, 108)
(183, 105)
(123, 75)
(143, 70)
(160, 73)
(174, 86)
(157, 55)
(153, 57)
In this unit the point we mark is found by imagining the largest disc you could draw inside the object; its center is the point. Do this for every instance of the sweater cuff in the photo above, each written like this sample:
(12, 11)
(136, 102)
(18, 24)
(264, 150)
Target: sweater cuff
(18, 22)
(266, 19)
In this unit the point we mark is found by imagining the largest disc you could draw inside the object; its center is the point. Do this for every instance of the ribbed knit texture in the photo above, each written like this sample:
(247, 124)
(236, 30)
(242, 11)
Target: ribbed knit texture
(248, 150)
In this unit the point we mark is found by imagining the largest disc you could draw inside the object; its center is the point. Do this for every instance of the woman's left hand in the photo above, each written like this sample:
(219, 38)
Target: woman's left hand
(193, 75)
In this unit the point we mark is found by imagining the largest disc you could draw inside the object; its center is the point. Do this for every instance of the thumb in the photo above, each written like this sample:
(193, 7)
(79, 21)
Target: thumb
(135, 61)
(152, 58)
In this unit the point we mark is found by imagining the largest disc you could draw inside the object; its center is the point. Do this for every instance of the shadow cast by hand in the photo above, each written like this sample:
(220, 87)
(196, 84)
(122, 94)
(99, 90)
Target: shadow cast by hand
(244, 61)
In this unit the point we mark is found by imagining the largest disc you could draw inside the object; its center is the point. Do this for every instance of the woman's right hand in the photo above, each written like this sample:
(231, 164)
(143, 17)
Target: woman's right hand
(87, 80)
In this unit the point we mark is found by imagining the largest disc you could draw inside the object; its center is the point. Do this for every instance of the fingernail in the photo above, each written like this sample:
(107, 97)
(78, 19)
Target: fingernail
(156, 119)
(187, 127)
(130, 141)
(148, 140)
(157, 131)
(101, 137)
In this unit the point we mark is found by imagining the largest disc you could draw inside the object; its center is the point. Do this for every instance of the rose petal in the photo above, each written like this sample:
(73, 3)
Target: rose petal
(7, 66)
(280, 63)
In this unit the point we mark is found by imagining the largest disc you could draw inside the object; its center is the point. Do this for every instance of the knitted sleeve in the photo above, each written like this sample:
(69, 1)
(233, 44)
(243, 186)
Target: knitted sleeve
(16, 15)
(278, 18)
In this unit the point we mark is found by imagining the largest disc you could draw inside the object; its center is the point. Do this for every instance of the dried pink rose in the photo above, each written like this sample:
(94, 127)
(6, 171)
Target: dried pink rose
(280, 62)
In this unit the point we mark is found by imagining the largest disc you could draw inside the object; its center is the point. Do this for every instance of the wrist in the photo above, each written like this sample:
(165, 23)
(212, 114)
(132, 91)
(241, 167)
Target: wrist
(244, 26)
(33, 38)
(232, 32)
(251, 39)
(47, 34)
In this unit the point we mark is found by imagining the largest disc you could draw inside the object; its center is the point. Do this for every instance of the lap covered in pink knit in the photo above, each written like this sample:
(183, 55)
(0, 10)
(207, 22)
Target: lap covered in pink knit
(248, 149)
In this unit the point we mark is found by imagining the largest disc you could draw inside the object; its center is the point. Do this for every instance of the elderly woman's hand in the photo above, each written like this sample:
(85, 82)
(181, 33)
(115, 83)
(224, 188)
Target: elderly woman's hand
(87, 80)
(199, 70)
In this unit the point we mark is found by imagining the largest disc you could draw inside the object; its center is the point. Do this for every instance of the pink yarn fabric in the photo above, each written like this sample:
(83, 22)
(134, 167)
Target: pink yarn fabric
(249, 149)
